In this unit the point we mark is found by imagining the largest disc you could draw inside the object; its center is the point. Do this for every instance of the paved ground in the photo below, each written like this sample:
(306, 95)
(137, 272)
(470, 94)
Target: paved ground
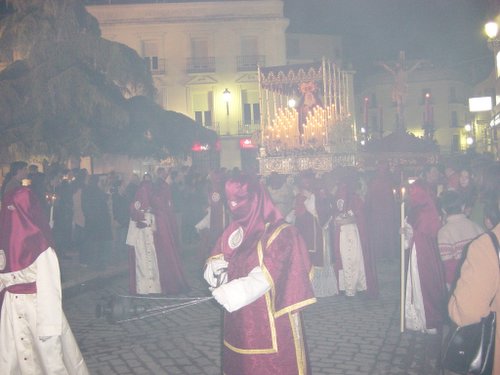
(350, 336)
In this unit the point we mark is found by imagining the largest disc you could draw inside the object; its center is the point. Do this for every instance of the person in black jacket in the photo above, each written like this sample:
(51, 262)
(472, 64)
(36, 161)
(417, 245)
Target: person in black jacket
(98, 234)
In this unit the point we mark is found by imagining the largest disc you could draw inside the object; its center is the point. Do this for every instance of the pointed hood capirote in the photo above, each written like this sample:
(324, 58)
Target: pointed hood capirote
(24, 229)
(251, 209)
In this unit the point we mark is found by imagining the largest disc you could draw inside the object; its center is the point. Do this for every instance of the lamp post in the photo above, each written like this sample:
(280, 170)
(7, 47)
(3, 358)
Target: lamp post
(428, 117)
(469, 135)
(362, 141)
(226, 94)
(491, 31)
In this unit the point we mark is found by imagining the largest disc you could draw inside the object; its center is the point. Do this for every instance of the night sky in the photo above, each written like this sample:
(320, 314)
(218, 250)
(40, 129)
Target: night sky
(446, 32)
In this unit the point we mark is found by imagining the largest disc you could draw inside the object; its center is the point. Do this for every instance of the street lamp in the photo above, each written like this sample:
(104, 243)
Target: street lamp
(491, 31)
(226, 94)
(469, 137)
(363, 137)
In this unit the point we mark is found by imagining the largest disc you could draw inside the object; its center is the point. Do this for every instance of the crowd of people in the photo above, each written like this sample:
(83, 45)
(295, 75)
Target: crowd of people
(84, 208)
(349, 219)
(332, 228)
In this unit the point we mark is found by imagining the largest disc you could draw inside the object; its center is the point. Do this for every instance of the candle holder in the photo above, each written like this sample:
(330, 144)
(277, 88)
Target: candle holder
(114, 309)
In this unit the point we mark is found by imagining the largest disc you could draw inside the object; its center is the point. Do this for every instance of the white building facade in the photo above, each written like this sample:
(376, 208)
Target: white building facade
(204, 57)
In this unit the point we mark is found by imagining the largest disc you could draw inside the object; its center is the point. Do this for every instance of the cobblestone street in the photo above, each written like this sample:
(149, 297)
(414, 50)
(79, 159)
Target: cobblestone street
(348, 336)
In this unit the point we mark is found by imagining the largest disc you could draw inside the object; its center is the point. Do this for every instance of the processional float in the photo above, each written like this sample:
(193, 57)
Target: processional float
(306, 121)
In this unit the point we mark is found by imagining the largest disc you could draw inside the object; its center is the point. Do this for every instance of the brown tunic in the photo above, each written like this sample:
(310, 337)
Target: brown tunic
(477, 287)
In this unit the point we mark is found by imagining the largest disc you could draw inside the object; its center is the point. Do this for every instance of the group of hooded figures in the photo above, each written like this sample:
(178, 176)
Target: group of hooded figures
(275, 249)
(289, 241)
(293, 240)
(329, 213)
(267, 261)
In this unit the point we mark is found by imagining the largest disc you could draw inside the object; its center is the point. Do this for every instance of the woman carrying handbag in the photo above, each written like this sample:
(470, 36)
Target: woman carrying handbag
(477, 291)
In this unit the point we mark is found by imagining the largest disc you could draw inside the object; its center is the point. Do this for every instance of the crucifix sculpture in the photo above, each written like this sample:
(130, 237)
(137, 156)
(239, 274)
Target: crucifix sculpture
(399, 90)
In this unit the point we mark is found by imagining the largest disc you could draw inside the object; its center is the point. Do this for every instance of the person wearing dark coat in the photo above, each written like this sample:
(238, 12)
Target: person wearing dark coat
(98, 234)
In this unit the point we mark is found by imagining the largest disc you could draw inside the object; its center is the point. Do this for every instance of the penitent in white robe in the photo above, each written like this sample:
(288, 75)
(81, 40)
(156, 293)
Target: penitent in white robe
(352, 276)
(26, 318)
(147, 274)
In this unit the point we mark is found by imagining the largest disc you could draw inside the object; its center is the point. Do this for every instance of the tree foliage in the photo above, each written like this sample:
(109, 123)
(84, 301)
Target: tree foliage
(67, 92)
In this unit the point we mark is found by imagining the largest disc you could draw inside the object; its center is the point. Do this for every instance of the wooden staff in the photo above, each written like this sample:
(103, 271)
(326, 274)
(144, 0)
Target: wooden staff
(402, 240)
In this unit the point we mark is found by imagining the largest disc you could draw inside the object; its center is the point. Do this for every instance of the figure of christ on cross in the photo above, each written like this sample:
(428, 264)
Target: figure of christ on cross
(400, 87)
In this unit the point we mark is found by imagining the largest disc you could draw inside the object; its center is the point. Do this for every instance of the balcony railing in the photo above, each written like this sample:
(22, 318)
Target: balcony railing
(247, 129)
(249, 63)
(215, 126)
(200, 65)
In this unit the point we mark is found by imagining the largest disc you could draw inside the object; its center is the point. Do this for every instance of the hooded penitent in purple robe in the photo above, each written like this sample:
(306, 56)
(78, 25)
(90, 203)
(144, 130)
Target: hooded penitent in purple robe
(354, 262)
(425, 221)
(167, 241)
(265, 336)
(34, 332)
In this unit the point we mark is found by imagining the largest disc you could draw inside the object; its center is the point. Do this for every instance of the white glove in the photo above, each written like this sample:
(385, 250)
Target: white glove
(310, 204)
(290, 218)
(3, 260)
(407, 232)
(215, 272)
(204, 223)
(243, 291)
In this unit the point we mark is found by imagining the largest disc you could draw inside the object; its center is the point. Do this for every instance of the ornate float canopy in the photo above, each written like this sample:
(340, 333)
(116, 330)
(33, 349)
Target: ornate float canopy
(400, 148)
(304, 114)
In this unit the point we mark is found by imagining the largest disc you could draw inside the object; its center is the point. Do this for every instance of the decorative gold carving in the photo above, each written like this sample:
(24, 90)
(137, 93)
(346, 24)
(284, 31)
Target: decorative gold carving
(295, 164)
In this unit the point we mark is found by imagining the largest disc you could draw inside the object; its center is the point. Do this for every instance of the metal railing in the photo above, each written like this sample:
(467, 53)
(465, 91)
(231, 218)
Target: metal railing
(200, 64)
(247, 129)
(249, 63)
(215, 126)
(243, 129)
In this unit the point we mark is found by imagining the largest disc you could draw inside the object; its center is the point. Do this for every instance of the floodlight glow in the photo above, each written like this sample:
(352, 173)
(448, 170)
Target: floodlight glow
(468, 127)
(226, 94)
(469, 141)
(291, 103)
(491, 29)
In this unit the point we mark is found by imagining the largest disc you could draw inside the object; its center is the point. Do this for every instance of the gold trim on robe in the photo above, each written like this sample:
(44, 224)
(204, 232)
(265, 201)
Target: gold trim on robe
(270, 306)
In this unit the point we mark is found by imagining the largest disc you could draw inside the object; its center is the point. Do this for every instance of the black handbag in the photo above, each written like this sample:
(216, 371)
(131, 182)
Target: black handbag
(470, 349)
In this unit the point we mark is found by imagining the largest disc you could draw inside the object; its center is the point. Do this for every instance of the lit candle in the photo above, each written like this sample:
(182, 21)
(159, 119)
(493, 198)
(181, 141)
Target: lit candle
(51, 218)
(427, 116)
